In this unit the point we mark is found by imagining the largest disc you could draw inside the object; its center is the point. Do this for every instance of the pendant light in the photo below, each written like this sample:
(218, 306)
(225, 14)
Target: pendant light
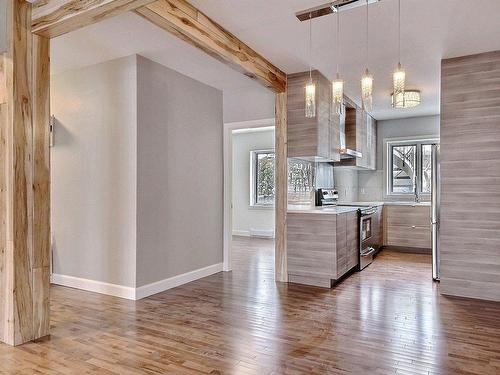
(310, 87)
(338, 83)
(367, 79)
(399, 75)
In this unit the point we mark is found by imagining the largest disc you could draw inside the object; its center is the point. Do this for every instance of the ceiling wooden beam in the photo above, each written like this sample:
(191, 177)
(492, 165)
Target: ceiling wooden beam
(51, 18)
(188, 23)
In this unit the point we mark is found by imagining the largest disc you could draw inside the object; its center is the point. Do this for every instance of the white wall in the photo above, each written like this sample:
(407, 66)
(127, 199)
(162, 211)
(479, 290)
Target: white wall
(253, 103)
(246, 218)
(180, 174)
(93, 172)
(371, 183)
(137, 178)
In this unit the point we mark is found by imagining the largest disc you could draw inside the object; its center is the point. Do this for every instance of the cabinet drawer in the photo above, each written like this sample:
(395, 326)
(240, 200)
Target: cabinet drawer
(408, 236)
(419, 216)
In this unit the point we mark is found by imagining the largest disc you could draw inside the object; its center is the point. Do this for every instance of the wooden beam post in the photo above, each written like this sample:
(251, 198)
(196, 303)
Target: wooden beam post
(188, 23)
(41, 186)
(53, 18)
(24, 312)
(281, 198)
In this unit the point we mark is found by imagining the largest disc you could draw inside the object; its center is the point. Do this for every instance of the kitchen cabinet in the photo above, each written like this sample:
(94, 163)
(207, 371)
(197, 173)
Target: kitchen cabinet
(321, 248)
(352, 241)
(407, 226)
(315, 138)
(361, 135)
(311, 248)
(347, 242)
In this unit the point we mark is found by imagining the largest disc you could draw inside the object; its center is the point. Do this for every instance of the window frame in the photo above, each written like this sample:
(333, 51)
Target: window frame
(388, 166)
(253, 178)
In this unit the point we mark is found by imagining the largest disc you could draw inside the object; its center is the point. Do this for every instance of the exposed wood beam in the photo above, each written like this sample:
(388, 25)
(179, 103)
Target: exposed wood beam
(3, 83)
(53, 18)
(17, 172)
(281, 199)
(41, 186)
(188, 23)
(24, 183)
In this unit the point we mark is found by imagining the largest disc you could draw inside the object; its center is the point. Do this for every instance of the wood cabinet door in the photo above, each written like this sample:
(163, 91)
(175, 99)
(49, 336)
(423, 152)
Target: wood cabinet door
(341, 245)
(352, 238)
(407, 226)
(311, 244)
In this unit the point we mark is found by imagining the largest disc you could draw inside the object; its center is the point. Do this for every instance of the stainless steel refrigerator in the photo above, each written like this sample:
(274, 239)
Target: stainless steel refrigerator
(435, 200)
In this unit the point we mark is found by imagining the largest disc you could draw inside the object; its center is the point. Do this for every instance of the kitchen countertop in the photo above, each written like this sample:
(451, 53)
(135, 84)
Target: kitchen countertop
(329, 210)
(393, 203)
(352, 206)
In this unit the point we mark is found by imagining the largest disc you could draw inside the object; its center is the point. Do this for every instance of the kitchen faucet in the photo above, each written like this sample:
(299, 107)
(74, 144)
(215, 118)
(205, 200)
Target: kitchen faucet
(415, 191)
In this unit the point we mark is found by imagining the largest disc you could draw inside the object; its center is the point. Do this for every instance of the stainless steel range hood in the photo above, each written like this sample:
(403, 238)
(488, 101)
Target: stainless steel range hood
(345, 151)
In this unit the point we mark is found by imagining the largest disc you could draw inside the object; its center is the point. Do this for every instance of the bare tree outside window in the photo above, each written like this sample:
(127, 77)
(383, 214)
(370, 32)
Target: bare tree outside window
(300, 180)
(264, 178)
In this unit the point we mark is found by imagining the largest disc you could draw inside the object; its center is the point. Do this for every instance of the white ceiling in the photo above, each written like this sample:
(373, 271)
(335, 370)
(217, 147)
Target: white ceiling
(431, 30)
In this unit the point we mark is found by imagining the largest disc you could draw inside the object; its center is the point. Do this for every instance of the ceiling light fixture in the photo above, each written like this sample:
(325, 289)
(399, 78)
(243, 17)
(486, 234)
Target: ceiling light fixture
(367, 79)
(310, 107)
(338, 83)
(408, 99)
(399, 75)
(331, 7)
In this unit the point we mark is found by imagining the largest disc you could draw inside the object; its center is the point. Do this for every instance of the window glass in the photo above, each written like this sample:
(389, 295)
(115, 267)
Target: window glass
(264, 178)
(300, 181)
(426, 168)
(403, 168)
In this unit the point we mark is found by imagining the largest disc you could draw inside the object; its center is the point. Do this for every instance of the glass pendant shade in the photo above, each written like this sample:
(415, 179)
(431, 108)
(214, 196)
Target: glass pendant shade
(398, 82)
(310, 100)
(367, 91)
(408, 99)
(338, 94)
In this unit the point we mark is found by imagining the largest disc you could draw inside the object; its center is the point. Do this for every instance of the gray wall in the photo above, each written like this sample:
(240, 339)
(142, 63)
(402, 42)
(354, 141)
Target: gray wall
(253, 103)
(3, 26)
(245, 217)
(93, 172)
(180, 174)
(371, 183)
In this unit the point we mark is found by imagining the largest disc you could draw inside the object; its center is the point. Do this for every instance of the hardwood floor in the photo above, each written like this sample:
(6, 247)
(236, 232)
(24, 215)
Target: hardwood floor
(388, 319)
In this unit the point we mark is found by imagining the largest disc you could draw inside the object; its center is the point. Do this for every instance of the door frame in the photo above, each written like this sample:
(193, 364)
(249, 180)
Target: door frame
(228, 180)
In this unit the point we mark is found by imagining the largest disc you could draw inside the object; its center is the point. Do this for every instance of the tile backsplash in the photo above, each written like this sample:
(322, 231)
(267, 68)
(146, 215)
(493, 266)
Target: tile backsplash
(371, 185)
(347, 183)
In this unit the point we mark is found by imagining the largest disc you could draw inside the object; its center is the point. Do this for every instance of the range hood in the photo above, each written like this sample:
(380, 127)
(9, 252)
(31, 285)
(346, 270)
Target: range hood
(348, 116)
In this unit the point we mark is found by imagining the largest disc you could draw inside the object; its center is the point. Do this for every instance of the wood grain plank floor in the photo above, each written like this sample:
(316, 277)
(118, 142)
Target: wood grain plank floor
(388, 319)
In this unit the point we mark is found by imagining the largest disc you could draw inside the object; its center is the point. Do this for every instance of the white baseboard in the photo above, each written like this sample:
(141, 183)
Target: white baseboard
(172, 282)
(254, 233)
(134, 293)
(242, 233)
(93, 286)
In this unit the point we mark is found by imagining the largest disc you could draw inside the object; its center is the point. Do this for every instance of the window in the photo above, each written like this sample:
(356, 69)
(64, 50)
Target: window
(409, 166)
(262, 178)
(300, 179)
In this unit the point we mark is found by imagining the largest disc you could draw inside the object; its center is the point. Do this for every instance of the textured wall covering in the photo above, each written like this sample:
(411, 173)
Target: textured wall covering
(470, 170)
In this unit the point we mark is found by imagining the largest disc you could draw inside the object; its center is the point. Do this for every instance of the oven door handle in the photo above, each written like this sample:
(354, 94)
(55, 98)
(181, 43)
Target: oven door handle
(369, 212)
(370, 251)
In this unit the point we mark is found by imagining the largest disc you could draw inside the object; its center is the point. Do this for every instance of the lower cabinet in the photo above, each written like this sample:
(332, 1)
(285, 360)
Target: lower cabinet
(407, 226)
(321, 248)
(352, 236)
(347, 242)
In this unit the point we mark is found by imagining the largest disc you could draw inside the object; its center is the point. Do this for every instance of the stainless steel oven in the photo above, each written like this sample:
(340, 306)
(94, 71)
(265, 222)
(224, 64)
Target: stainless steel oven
(369, 234)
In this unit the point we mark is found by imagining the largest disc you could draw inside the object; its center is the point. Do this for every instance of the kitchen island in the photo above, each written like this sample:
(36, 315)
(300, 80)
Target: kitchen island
(322, 244)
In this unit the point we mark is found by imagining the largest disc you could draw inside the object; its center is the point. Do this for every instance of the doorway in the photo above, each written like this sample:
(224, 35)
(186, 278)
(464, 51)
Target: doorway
(249, 212)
